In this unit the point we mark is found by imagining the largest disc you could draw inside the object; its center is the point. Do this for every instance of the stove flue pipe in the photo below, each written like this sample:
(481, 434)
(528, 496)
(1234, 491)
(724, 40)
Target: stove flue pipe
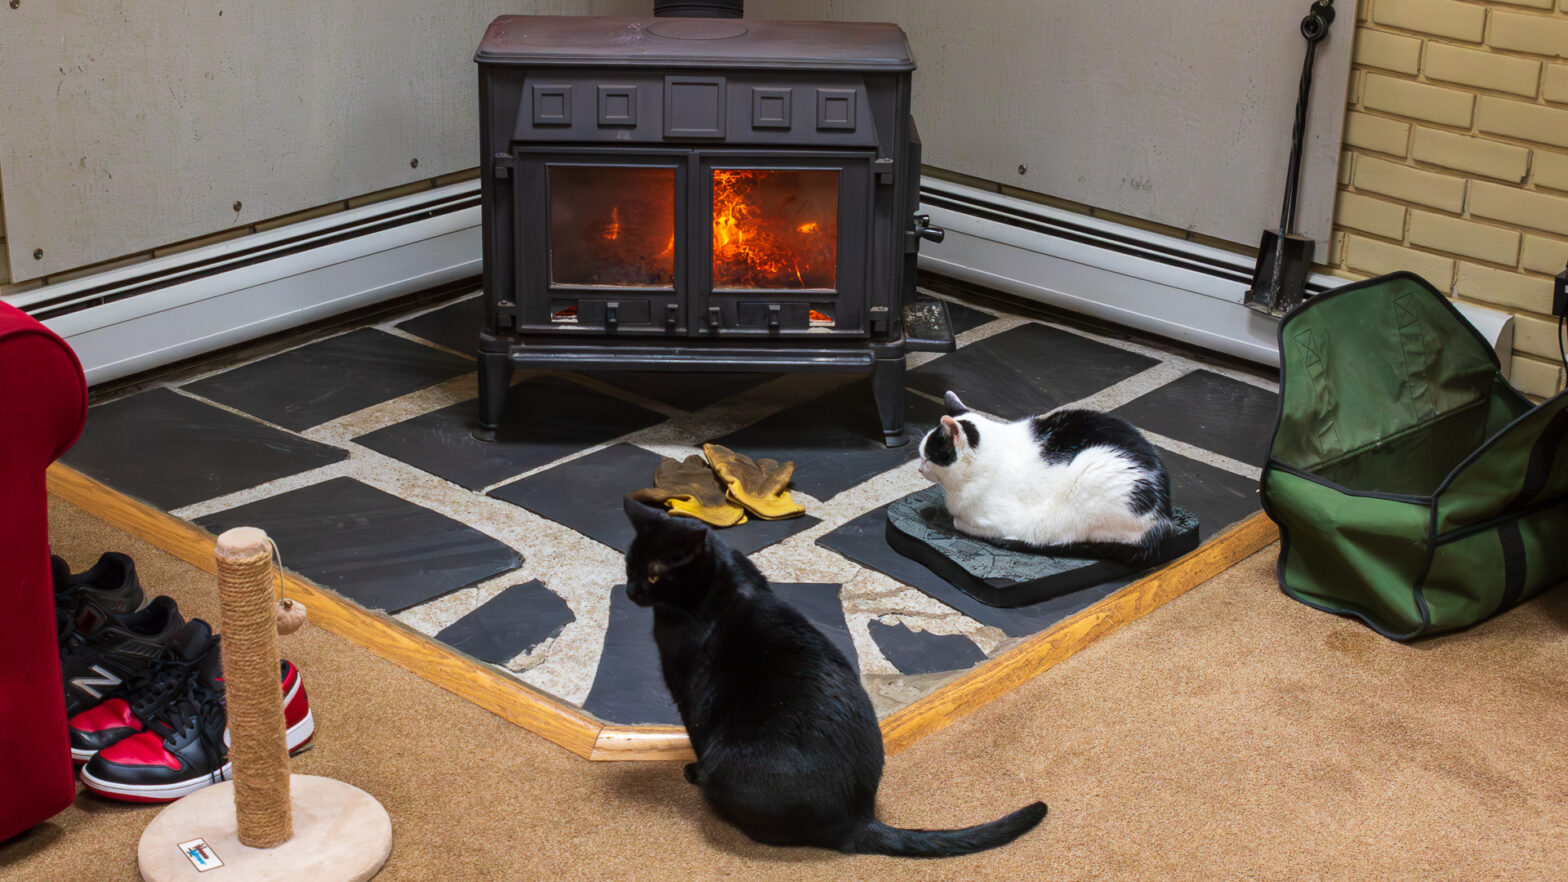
(698, 8)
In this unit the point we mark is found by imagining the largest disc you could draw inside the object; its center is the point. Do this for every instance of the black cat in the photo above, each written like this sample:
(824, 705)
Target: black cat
(787, 744)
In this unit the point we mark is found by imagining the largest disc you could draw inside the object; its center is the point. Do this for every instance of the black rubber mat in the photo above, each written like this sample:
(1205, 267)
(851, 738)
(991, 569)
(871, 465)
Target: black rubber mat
(1211, 411)
(629, 686)
(1028, 370)
(545, 419)
(920, 528)
(374, 548)
(509, 624)
(921, 652)
(836, 440)
(320, 382)
(864, 541)
(171, 450)
(585, 494)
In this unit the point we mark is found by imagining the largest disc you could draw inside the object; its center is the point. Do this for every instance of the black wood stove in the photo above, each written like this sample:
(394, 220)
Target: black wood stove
(700, 194)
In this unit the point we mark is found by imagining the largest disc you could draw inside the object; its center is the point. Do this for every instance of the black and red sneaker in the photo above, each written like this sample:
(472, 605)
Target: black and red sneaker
(99, 656)
(160, 683)
(185, 746)
(110, 588)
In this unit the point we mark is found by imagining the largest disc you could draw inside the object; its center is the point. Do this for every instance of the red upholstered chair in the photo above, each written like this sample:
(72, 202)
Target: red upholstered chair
(43, 404)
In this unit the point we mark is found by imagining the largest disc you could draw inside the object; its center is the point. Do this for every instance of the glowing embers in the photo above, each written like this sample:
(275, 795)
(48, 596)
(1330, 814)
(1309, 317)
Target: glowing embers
(611, 226)
(775, 228)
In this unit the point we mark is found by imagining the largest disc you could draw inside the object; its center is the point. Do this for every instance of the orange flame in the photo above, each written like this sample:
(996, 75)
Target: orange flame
(759, 240)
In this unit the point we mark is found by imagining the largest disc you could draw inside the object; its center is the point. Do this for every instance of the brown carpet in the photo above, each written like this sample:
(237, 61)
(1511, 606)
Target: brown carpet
(1231, 734)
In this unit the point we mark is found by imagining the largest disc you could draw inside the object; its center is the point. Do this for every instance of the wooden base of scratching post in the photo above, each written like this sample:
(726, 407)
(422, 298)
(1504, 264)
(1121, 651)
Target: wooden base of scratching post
(266, 824)
(341, 834)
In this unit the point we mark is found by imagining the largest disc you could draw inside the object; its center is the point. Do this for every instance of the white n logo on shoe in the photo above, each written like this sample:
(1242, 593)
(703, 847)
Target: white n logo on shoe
(104, 680)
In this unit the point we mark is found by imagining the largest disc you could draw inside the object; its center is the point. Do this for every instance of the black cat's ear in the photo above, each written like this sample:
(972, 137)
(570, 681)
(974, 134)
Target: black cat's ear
(954, 406)
(641, 514)
(687, 541)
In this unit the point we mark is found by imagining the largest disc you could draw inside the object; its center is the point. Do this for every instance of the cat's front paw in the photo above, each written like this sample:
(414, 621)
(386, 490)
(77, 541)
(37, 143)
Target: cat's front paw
(691, 771)
(963, 525)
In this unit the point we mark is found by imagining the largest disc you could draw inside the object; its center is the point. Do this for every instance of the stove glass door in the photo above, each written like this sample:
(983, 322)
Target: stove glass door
(786, 247)
(775, 229)
(612, 226)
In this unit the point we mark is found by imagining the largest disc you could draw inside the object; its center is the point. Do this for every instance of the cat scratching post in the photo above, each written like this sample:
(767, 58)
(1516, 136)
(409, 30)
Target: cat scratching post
(266, 825)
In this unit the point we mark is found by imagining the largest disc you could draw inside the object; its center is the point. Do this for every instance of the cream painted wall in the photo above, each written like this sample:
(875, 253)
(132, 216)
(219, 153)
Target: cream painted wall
(128, 125)
(1168, 110)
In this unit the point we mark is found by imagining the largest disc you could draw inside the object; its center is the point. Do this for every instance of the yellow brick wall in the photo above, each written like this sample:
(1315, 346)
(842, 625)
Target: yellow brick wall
(1456, 159)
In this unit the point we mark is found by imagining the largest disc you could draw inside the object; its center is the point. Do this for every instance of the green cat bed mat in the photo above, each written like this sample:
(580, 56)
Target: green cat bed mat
(1414, 488)
(1008, 574)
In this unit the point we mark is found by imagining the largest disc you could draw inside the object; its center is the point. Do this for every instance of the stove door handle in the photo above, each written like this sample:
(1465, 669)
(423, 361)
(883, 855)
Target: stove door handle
(611, 319)
(773, 317)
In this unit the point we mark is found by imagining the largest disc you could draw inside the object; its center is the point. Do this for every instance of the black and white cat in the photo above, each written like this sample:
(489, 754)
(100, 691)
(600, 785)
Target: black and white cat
(787, 743)
(1078, 482)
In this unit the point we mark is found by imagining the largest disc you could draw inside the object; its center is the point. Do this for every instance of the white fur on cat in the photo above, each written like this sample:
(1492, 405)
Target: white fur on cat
(1004, 489)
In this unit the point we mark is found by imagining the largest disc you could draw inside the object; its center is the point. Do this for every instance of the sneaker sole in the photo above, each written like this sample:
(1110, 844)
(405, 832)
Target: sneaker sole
(298, 739)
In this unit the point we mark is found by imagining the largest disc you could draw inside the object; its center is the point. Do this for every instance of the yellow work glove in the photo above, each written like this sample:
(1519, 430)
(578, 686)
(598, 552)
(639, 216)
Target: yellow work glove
(692, 490)
(758, 485)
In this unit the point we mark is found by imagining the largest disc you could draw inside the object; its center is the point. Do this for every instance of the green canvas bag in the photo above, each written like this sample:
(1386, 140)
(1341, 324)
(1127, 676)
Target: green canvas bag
(1414, 488)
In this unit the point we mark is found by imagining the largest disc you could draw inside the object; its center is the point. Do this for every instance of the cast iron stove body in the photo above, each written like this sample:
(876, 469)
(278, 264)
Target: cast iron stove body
(695, 194)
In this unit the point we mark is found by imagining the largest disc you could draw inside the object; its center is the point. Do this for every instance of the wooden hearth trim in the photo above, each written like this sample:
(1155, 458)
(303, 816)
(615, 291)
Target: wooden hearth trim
(592, 739)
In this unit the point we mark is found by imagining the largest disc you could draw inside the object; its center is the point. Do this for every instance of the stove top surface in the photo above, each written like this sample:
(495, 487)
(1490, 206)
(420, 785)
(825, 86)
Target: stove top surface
(695, 42)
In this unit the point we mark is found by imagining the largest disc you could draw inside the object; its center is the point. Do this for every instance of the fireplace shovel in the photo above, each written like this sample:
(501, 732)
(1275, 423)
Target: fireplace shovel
(1279, 281)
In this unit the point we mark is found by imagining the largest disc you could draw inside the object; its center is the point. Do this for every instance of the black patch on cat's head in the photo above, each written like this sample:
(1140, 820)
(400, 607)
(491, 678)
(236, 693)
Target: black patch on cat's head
(942, 445)
(667, 559)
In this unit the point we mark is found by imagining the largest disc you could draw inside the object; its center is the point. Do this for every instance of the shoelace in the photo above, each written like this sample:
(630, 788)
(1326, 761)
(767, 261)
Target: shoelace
(199, 710)
(159, 683)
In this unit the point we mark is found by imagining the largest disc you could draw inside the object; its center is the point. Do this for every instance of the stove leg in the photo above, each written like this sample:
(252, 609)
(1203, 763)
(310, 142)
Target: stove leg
(495, 376)
(887, 386)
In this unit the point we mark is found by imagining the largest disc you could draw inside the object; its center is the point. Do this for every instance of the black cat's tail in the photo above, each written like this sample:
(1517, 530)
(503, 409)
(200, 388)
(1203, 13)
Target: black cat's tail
(878, 838)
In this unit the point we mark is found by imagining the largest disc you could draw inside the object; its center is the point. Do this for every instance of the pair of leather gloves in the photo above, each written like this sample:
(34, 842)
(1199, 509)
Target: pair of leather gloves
(722, 490)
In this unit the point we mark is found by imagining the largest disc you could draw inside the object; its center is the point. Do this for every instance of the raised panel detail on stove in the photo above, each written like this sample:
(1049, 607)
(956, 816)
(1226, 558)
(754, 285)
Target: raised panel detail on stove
(552, 105)
(836, 109)
(770, 107)
(618, 106)
(694, 107)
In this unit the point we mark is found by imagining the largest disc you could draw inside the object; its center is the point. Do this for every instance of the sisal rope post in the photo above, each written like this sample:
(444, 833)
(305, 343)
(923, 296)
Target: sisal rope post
(259, 749)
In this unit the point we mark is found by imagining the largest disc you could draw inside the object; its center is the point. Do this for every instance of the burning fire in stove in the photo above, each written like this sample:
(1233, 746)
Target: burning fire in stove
(775, 228)
(772, 228)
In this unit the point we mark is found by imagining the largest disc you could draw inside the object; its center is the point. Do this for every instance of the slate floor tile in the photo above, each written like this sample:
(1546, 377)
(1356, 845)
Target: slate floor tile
(455, 326)
(374, 548)
(686, 391)
(509, 624)
(921, 652)
(585, 494)
(863, 540)
(629, 686)
(1219, 498)
(1028, 370)
(545, 419)
(322, 381)
(171, 450)
(836, 440)
(1211, 411)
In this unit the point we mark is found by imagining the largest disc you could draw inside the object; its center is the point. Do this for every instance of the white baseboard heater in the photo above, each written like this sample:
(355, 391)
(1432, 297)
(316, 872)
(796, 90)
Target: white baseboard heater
(150, 314)
(147, 315)
(1159, 284)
